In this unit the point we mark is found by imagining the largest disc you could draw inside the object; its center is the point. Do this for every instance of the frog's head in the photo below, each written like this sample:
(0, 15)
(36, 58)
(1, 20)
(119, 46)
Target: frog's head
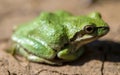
(89, 28)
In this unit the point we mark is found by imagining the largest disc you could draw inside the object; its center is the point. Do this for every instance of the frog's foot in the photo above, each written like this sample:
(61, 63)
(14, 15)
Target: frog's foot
(21, 51)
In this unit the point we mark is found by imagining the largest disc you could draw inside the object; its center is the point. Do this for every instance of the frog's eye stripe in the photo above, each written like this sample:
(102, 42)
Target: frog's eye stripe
(102, 28)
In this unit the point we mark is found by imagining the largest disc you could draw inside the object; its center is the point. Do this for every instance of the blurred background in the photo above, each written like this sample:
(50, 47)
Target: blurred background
(15, 12)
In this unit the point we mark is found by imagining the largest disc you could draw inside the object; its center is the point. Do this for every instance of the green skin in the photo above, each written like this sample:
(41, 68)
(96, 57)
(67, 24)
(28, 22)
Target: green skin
(57, 35)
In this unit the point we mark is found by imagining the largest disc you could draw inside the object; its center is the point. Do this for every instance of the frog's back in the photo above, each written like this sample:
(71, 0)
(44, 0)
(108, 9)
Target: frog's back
(46, 28)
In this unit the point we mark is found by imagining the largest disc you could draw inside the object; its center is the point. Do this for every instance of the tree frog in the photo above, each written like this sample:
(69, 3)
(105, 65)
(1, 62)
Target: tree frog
(57, 37)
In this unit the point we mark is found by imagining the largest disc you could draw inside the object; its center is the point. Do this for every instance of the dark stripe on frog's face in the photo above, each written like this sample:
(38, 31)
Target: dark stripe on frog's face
(82, 36)
(81, 39)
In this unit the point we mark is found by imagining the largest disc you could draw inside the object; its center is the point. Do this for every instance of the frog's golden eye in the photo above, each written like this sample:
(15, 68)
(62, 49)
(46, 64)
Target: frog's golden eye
(89, 29)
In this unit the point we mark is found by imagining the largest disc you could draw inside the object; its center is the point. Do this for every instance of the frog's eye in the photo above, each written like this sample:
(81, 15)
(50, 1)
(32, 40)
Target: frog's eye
(89, 29)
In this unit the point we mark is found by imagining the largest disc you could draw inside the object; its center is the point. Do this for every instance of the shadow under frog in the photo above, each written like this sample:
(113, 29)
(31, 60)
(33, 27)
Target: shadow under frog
(99, 50)
(105, 50)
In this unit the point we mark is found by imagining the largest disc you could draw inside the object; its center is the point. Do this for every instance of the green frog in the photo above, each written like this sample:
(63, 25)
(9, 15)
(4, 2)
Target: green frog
(57, 37)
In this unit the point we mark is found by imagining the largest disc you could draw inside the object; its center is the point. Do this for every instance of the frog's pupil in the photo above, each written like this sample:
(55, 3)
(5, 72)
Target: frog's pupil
(89, 29)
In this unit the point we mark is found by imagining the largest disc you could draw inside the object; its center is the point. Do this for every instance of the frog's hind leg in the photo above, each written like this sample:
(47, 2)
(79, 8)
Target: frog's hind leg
(11, 49)
(21, 51)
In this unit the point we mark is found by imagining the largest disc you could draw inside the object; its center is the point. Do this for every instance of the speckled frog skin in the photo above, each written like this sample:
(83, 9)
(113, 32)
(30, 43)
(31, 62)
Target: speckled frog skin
(58, 35)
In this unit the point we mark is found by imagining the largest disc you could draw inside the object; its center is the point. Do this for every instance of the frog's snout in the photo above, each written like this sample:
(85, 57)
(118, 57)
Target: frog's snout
(103, 30)
(106, 30)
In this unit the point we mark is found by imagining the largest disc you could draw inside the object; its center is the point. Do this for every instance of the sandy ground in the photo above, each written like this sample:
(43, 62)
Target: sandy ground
(102, 57)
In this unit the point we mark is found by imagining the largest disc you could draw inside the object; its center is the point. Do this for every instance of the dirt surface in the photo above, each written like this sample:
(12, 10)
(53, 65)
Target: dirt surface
(102, 57)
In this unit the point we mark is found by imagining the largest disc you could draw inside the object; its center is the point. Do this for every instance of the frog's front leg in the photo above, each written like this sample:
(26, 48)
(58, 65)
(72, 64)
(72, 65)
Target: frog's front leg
(69, 56)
